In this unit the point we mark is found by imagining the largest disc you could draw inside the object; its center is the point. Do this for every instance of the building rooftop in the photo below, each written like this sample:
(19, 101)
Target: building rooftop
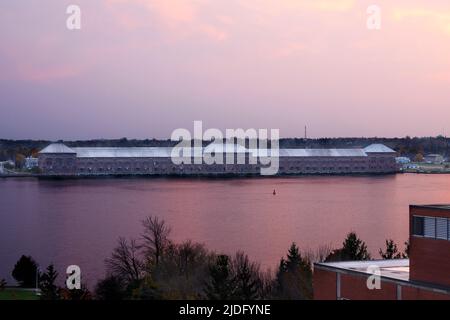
(393, 270)
(434, 206)
(397, 269)
(57, 148)
(378, 148)
(225, 148)
(142, 152)
(322, 153)
(129, 152)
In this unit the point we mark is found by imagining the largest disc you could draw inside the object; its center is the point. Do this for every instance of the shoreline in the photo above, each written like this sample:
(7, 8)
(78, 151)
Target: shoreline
(192, 176)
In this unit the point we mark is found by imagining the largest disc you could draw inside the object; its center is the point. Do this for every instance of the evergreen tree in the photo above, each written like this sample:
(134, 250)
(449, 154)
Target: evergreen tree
(405, 254)
(221, 284)
(354, 248)
(293, 258)
(2, 284)
(282, 269)
(48, 284)
(294, 276)
(245, 278)
(391, 251)
(25, 272)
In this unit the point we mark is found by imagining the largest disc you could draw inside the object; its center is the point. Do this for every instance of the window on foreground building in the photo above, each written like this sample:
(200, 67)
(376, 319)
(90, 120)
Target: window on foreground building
(418, 226)
(431, 227)
(441, 228)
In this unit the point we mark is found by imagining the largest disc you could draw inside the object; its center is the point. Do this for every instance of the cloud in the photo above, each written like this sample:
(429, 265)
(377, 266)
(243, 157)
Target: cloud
(280, 6)
(180, 18)
(440, 19)
(186, 18)
(290, 49)
(174, 12)
(330, 5)
(32, 73)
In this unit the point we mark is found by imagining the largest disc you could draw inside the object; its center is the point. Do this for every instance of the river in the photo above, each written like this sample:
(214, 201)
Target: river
(78, 221)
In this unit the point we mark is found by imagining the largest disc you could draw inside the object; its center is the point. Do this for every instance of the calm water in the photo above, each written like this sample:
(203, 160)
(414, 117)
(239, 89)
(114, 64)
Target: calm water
(79, 221)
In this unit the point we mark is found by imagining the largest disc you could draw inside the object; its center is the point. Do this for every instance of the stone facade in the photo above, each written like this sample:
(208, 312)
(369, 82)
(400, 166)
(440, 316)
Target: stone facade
(57, 159)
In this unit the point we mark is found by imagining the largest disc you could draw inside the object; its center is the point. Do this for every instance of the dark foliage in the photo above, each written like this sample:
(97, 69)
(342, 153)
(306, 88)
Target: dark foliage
(353, 249)
(246, 278)
(25, 272)
(220, 286)
(294, 276)
(110, 288)
(47, 284)
(155, 239)
(75, 294)
(391, 251)
(124, 262)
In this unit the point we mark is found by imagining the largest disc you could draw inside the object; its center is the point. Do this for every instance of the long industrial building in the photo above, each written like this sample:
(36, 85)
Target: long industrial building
(58, 159)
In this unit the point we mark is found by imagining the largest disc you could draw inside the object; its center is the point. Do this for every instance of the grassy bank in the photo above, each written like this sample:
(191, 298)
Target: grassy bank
(18, 294)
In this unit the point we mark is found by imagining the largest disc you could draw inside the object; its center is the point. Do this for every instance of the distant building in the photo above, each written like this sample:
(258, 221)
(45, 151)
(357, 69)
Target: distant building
(425, 275)
(402, 160)
(8, 163)
(434, 158)
(58, 159)
(31, 163)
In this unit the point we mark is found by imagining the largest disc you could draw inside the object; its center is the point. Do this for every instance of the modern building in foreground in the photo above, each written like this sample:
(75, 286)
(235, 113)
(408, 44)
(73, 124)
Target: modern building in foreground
(59, 159)
(425, 275)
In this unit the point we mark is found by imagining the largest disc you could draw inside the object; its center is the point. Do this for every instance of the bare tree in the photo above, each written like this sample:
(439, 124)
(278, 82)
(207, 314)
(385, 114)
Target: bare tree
(319, 254)
(182, 270)
(124, 262)
(191, 257)
(155, 238)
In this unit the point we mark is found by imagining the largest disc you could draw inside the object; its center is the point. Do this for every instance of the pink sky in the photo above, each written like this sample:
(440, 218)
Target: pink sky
(142, 68)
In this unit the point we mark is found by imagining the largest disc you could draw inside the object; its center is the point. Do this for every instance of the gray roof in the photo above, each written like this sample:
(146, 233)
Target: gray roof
(322, 153)
(129, 152)
(165, 152)
(394, 268)
(378, 148)
(225, 148)
(57, 148)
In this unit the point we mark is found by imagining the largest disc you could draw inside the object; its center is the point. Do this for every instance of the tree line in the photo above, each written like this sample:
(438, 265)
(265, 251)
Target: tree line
(153, 267)
(405, 146)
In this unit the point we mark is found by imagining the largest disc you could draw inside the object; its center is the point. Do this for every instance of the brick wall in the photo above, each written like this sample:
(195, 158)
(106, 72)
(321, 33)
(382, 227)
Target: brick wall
(429, 258)
(355, 288)
(324, 284)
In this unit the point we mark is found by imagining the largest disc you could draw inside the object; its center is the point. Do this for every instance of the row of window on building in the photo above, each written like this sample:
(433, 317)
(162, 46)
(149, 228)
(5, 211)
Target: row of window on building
(431, 227)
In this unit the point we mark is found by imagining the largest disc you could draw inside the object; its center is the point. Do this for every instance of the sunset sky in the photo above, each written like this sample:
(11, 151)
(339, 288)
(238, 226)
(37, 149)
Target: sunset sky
(142, 68)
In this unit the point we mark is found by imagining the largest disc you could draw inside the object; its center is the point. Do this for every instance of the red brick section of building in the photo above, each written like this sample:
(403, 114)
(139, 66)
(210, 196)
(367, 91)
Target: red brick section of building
(430, 259)
(425, 275)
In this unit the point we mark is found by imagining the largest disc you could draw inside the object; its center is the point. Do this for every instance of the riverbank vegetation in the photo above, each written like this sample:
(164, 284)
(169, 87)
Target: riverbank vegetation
(406, 146)
(152, 267)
